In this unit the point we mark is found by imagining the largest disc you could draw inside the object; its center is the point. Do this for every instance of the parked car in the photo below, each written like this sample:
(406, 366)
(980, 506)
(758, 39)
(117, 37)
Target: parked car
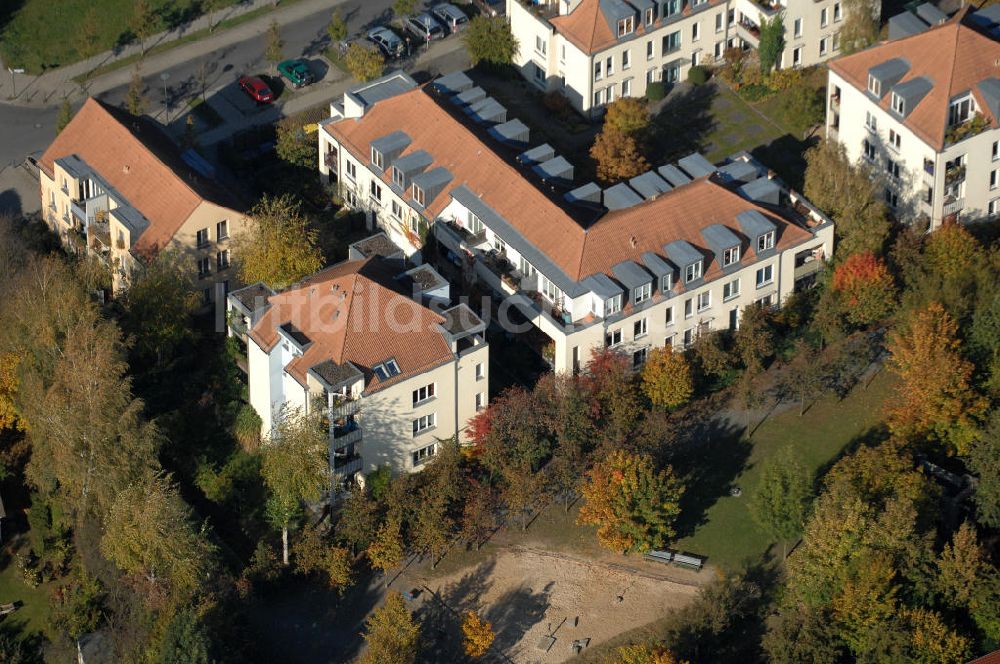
(451, 17)
(257, 89)
(297, 72)
(387, 41)
(425, 27)
(491, 7)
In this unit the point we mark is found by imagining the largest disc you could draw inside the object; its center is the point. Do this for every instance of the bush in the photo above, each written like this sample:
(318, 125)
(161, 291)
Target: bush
(785, 79)
(555, 102)
(697, 75)
(246, 428)
(655, 91)
(755, 92)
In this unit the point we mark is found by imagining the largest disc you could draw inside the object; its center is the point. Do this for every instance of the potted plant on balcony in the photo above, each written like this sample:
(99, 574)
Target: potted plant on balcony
(549, 353)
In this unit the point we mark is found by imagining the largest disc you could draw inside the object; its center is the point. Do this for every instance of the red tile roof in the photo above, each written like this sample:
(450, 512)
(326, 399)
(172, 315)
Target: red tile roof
(955, 56)
(352, 312)
(990, 658)
(620, 235)
(141, 163)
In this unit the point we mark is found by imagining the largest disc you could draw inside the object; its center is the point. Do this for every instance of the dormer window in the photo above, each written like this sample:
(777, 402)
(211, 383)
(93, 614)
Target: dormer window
(612, 305)
(730, 256)
(692, 272)
(397, 177)
(475, 223)
(650, 15)
(898, 104)
(642, 293)
(765, 242)
(626, 26)
(874, 86)
(666, 282)
(418, 195)
(377, 159)
(960, 111)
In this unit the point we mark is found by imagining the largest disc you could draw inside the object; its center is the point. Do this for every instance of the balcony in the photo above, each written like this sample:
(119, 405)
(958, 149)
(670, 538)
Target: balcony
(78, 211)
(330, 161)
(349, 465)
(952, 206)
(346, 408)
(748, 32)
(953, 175)
(541, 8)
(960, 131)
(928, 172)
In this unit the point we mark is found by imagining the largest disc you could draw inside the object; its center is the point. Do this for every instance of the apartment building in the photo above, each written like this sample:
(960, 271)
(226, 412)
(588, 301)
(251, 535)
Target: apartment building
(117, 187)
(653, 261)
(379, 349)
(595, 51)
(921, 111)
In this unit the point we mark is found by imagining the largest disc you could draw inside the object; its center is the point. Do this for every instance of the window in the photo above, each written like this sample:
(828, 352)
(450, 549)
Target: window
(823, 18)
(204, 268)
(599, 97)
(891, 198)
(541, 45)
(613, 338)
(651, 75)
(895, 140)
(892, 168)
(695, 31)
(352, 170)
(627, 87)
(397, 210)
(871, 122)
(688, 336)
(836, 41)
(993, 207)
(704, 301)
(386, 370)
(562, 53)
(377, 159)
(424, 454)
(539, 73)
(642, 293)
(822, 46)
(418, 195)
(671, 42)
(501, 248)
(669, 318)
(376, 191)
(480, 371)
(598, 70)
(480, 401)
(837, 15)
(869, 150)
(609, 66)
(397, 177)
(796, 56)
(639, 329)
(671, 7)
(671, 74)
(201, 237)
(626, 59)
(730, 256)
(612, 305)
(650, 15)
(993, 179)
(765, 275)
(898, 104)
(689, 307)
(639, 357)
(222, 230)
(475, 223)
(666, 282)
(874, 86)
(720, 48)
(766, 301)
(668, 342)
(731, 290)
(765, 241)
(222, 260)
(960, 111)
(626, 26)
(649, 50)
(526, 268)
(719, 22)
(797, 28)
(692, 272)
(423, 394)
(695, 58)
(995, 154)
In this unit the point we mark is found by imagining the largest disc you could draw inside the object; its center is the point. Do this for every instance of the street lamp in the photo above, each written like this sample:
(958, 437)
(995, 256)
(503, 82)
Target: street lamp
(13, 83)
(165, 76)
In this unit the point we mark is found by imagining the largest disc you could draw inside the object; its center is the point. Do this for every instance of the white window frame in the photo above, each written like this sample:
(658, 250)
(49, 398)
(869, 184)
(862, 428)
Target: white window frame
(377, 159)
(640, 328)
(418, 195)
(693, 272)
(424, 423)
(423, 394)
(613, 338)
(642, 293)
(704, 301)
(730, 256)
(612, 305)
(765, 241)
(765, 276)
(898, 104)
(731, 290)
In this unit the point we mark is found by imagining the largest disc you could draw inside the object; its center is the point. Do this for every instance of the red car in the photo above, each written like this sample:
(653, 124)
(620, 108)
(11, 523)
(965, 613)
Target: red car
(257, 89)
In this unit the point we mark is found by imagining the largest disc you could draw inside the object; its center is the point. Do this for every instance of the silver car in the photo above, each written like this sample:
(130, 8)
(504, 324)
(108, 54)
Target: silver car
(451, 16)
(425, 27)
(387, 41)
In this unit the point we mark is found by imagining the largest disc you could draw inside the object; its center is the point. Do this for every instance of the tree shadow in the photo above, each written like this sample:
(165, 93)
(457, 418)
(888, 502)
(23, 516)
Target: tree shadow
(682, 123)
(8, 9)
(10, 202)
(786, 155)
(442, 612)
(514, 613)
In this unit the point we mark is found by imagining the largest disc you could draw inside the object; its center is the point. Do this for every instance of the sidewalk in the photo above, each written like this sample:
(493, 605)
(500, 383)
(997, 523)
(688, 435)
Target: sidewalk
(50, 88)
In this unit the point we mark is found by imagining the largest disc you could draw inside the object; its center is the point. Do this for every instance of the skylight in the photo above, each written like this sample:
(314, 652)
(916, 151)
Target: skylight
(386, 370)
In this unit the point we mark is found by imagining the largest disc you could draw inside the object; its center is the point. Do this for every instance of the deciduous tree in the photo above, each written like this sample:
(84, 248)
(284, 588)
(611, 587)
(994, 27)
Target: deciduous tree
(860, 29)
(865, 288)
(617, 155)
(934, 397)
(313, 554)
(478, 634)
(273, 46)
(337, 27)
(186, 641)
(278, 244)
(386, 550)
(781, 499)
(772, 41)
(642, 653)
(150, 534)
(628, 116)
(984, 462)
(666, 378)
(358, 519)
(65, 115)
(143, 22)
(364, 63)
(158, 303)
(9, 416)
(391, 634)
(135, 99)
(633, 506)
(403, 8)
(295, 468)
(480, 515)
(754, 340)
(488, 40)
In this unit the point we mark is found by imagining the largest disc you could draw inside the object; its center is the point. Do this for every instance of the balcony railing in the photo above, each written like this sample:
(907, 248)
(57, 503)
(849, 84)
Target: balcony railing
(344, 409)
(977, 124)
(348, 466)
(542, 9)
(953, 205)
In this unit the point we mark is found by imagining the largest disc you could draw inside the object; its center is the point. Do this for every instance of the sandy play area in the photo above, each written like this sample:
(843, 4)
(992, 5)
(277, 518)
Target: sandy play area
(529, 594)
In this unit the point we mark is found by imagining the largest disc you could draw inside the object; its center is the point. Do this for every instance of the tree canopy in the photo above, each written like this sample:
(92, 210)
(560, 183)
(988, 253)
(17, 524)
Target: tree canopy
(278, 244)
(488, 40)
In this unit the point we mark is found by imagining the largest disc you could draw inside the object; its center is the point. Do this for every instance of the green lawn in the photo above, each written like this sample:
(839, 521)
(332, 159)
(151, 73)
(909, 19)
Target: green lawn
(34, 613)
(728, 535)
(776, 107)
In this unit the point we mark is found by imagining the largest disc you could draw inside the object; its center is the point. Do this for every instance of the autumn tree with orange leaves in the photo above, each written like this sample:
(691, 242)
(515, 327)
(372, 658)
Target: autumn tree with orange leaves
(478, 634)
(934, 398)
(617, 155)
(666, 378)
(633, 506)
(865, 289)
